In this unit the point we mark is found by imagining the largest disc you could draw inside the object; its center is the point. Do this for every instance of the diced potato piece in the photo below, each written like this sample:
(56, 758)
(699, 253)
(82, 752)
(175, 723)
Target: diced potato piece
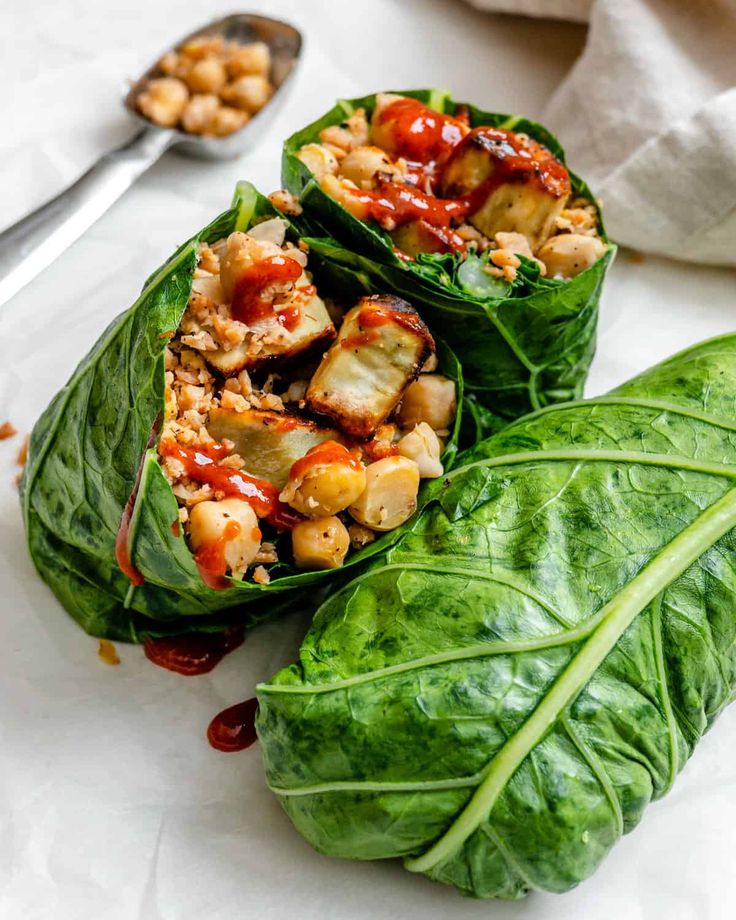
(569, 254)
(313, 325)
(269, 442)
(380, 348)
(515, 184)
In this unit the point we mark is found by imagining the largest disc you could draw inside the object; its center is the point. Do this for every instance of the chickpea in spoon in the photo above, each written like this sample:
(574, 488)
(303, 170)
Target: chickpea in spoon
(209, 86)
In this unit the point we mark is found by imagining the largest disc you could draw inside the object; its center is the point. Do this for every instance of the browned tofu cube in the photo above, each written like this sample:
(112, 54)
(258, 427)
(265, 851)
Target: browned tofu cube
(381, 346)
(269, 442)
(513, 184)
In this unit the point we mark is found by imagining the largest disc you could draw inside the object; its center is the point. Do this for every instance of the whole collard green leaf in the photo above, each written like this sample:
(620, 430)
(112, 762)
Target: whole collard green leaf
(98, 437)
(535, 660)
(522, 347)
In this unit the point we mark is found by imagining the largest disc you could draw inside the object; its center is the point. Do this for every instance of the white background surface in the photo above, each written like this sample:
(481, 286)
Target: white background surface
(112, 806)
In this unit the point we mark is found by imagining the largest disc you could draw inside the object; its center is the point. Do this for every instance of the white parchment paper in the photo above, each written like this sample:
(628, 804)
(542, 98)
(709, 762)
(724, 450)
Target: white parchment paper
(112, 806)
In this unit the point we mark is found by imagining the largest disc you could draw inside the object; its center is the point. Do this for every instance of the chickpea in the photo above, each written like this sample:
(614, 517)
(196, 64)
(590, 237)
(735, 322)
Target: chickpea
(174, 65)
(390, 494)
(569, 254)
(423, 447)
(163, 101)
(383, 131)
(326, 480)
(319, 160)
(212, 521)
(361, 165)
(249, 59)
(320, 544)
(199, 113)
(203, 46)
(207, 76)
(250, 92)
(351, 133)
(431, 399)
(227, 120)
(345, 194)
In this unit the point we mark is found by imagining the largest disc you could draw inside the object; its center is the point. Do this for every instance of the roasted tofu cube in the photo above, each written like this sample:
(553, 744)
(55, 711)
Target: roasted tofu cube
(513, 183)
(269, 442)
(298, 324)
(381, 346)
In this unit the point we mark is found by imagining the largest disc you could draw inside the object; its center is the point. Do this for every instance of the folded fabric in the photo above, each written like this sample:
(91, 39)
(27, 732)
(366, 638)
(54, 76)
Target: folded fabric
(649, 113)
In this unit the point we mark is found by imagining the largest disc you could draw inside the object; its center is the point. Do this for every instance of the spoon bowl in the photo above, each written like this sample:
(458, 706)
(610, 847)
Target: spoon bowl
(30, 245)
(284, 43)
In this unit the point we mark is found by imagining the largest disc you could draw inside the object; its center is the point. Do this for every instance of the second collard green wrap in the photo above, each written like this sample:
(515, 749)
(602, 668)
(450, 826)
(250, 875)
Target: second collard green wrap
(523, 346)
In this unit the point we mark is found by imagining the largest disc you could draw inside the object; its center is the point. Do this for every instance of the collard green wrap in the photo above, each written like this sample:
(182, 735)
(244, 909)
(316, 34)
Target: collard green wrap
(522, 347)
(95, 445)
(535, 660)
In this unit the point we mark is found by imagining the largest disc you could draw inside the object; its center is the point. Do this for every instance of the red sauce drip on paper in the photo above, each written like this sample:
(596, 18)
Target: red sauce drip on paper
(251, 302)
(323, 454)
(192, 655)
(122, 553)
(234, 729)
(419, 133)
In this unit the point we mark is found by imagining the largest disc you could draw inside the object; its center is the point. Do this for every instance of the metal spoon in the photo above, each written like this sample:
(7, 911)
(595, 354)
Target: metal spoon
(30, 245)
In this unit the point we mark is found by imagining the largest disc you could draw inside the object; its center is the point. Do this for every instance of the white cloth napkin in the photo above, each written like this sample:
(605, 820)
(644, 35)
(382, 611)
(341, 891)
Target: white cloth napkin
(648, 115)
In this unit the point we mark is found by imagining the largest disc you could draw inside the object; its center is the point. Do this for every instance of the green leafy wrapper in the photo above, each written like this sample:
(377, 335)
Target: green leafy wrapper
(522, 347)
(499, 699)
(95, 445)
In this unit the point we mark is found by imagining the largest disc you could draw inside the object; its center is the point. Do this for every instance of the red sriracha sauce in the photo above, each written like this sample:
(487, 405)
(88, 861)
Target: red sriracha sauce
(234, 729)
(200, 464)
(251, 300)
(419, 133)
(192, 655)
(210, 558)
(323, 454)
(395, 203)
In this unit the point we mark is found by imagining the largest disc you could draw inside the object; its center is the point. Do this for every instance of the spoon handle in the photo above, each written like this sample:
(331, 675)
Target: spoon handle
(29, 246)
